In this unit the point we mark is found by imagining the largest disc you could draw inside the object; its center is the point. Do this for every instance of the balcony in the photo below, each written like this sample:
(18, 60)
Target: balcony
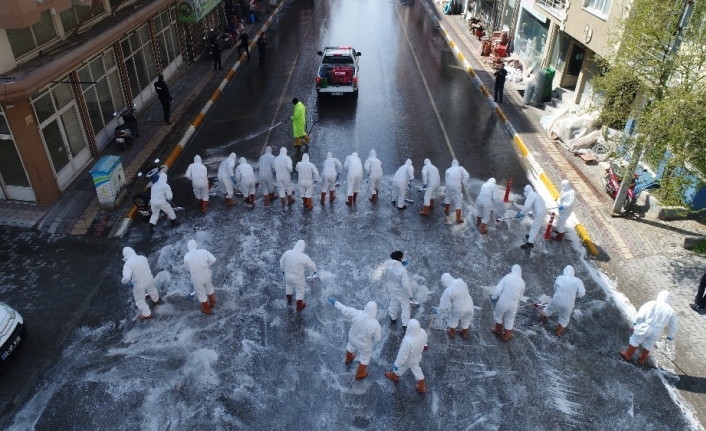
(557, 8)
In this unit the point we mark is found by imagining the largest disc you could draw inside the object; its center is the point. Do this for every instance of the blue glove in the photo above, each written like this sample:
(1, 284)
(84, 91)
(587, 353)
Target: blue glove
(519, 216)
(394, 367)
(232, 178)
(634, 323)
(282, 273)
(405, 262)
(493, 300)
(435, 311)
(315, 274)
(338, 175)
(561, 207)
(670, 338)
(425, 186)
(332, 300)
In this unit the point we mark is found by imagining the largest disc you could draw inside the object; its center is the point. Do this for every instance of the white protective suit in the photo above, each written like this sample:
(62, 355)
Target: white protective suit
(137, 269)
(198, 175)
(308, 174)
(411, 348)
(431, 181)
(534, 202)
(508, 292)
(484, 202)
(457, 301)
(397, 283)
(245, 177)
(567, 288)
(332, 167)
(294, 263)
(455, 177)
(160, 195)
(401, 180)
(364, 332)
(354, 169)
(373, 167)
(226, 174)
(651, 320)
(567, 200)
(266, 171)
(199, 262)
(283, 173)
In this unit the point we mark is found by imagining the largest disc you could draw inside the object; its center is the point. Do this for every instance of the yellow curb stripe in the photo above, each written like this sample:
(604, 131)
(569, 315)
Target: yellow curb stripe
(471, 71)
(132, 213)
(452, 44)
(548, 184)
(484, 91)
(198, 120)
(230, 75)
(216, 95)
(500, 114)
(460, 57)
(521, 145)
(172, 157)
(583, 234)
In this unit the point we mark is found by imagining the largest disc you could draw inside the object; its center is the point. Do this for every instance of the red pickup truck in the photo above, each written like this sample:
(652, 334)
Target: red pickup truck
(338, 72)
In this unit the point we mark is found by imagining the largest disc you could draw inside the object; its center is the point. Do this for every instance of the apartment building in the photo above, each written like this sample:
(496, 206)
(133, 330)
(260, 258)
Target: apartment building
(66, 66)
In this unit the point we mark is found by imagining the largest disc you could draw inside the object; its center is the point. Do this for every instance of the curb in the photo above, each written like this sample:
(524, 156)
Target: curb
(520, 145)
(176, 152)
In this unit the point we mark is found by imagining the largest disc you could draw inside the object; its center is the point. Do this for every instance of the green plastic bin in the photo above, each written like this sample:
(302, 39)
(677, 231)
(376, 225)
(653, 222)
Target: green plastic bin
(548, 86)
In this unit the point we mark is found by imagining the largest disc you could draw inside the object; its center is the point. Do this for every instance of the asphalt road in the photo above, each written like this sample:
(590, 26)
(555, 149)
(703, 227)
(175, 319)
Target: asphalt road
(258, 364)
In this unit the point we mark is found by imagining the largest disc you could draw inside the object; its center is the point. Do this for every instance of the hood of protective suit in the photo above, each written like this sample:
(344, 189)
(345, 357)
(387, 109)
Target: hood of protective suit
(665, 296)
(413, 327)
(371, 309)
(408, 162)
(517, 270)
(268, 150)
(328, 155)
(373, 154)
(232, 156)
(282, 151)
(528, 189)
(491, 181)
(300, 246)
(354, 155)
(128, 252)
(191, 245)
(427, 162)
(454, 163)
(163, 177)
(446, 279)
(197, 159)
(569, 271)
(243, 161)
(565, 185)
(305, 158)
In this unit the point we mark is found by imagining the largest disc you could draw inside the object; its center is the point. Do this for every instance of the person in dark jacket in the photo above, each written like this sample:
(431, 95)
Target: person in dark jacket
(216, 55)
(500, 75)
(262, 48)
(699, 304)
(164, 97)
(244, 42)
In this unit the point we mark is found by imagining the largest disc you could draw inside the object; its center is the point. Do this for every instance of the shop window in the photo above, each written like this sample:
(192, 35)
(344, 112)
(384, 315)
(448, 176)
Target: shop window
(597, 7)
(101, 89)
(55, 145)
(139, 60)
(167, 39)
(25, 40)
(11, 168)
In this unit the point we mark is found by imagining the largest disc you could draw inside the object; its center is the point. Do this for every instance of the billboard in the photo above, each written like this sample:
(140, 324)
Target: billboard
(194, 10)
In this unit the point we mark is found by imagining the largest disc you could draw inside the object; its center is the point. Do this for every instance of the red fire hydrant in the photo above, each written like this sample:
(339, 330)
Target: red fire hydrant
(548, 233)
(507, 190)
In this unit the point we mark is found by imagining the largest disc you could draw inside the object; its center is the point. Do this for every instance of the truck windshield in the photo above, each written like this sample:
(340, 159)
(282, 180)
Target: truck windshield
(337, 60)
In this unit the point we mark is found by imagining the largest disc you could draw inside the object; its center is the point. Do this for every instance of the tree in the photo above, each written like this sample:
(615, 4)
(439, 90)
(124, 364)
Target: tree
(657, 75)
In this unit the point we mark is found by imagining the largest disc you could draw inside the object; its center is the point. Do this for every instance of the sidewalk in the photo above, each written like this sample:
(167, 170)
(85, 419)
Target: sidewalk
(640, 254)
(77, 211)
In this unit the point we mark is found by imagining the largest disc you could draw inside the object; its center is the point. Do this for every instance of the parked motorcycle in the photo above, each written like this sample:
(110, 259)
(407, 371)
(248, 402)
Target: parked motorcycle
(611, 184)
(142, 199)
(126, 132)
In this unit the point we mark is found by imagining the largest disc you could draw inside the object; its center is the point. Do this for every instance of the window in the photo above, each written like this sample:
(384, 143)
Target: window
(11, 169)
(139, 60)
(70, 18)
(25, 40)
(104, 96)
(167, 37)
(597, 7)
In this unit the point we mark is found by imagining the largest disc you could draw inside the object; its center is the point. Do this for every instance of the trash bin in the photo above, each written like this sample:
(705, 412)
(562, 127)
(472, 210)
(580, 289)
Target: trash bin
(109, 181)
(548, 84)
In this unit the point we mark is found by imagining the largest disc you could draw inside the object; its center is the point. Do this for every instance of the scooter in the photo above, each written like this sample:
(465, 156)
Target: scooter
(611, 184)
(126, 132)
(142, 200)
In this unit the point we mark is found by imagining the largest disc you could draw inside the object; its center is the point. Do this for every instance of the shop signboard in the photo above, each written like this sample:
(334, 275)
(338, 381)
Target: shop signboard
(194, 10)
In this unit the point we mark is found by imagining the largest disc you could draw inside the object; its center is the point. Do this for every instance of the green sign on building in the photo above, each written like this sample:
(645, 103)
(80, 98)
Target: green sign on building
(194, 10)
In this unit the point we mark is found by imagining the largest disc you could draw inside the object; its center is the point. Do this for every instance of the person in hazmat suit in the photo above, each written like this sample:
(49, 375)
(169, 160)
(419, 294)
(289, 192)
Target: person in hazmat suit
(299, 123)
(403, 176)
(565, 204)
(484, 204)
(332, 168)
(266, 175)
(283, 174)
(431, 182)
(160, 198)
(365, 331)
(410, 355)
(454, 179)
(137, 271)
(307, 174)
(506, 298)
(199, 262)
(535, 203)
(294, 264)
(397, 282)
(198, 174)
(354, 175)
(567, 288)
(649, 325)
(226, 176)
(457, 302)
(373, 168)
(245, 176)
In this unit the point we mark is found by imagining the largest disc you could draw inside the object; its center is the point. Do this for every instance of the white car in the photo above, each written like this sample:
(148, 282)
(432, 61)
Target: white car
(338, 72)
(12, 332)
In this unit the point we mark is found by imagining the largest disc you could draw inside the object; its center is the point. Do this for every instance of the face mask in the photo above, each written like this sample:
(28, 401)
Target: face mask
(405, 262)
